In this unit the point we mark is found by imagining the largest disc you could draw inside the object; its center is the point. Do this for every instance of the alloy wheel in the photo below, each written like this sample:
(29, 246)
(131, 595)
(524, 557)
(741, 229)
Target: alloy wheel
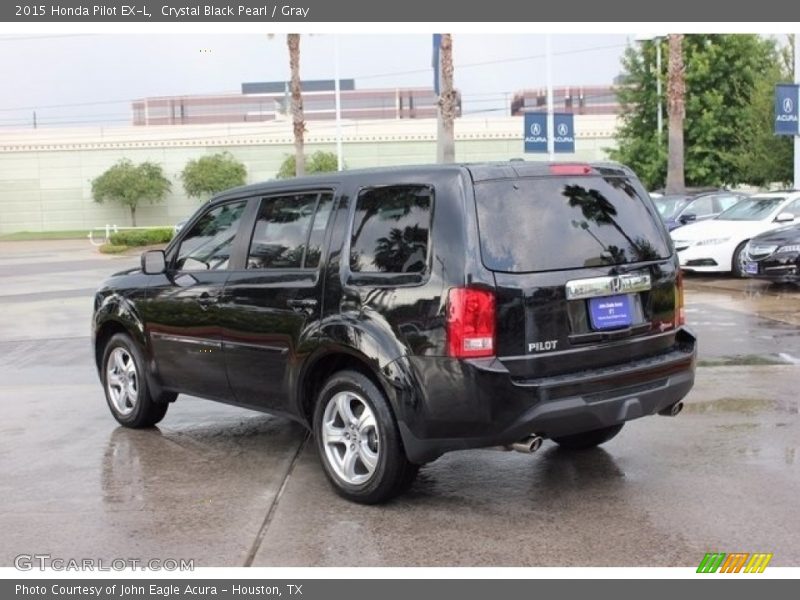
(350, 438)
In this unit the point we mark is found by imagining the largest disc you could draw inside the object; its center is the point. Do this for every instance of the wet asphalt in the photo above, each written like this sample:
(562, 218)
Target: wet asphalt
(231, 487)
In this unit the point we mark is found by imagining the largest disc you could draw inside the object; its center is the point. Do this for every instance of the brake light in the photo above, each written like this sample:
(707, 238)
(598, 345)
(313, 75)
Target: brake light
(571, 169)
(680, 314)
(470, 323)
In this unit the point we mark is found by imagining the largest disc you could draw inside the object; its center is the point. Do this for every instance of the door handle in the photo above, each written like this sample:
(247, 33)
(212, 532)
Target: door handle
(304, 304)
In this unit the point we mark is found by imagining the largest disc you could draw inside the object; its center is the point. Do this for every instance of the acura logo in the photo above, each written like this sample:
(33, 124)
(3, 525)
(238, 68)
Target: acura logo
(536, 129)
(562, 129)
(788, 105)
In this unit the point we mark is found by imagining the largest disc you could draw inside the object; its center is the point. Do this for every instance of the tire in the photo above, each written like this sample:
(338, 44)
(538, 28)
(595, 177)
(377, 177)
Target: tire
(736, 261)
(125, 385)
(358, 440)
(588, 439)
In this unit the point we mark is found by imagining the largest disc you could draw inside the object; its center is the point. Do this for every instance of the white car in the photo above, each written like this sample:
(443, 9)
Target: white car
(716, 245)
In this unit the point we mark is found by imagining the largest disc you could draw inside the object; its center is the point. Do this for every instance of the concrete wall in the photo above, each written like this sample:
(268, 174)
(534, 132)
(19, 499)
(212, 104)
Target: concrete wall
(45, 175)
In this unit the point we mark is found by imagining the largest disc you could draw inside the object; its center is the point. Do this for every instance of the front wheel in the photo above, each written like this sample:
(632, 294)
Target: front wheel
(125, 384)
(358, 440)
(737, 262)
(588, 439)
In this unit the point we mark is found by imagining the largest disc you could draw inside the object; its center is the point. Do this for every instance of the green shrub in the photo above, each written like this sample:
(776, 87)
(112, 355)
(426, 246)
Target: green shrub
(142, 237)
(112, 249)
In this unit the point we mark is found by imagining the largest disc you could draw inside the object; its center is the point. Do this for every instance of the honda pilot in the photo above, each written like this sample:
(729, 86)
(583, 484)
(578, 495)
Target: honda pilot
(401, 313)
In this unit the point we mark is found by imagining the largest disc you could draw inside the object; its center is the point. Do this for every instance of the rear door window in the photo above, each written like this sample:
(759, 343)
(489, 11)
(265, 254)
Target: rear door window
(555, 223)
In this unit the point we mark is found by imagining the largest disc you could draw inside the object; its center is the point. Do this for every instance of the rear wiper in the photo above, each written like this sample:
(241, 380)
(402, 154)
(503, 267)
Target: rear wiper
(627, 268)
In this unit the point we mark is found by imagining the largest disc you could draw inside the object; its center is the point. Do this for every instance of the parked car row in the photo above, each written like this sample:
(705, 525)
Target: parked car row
(729, 232)
(678, 210)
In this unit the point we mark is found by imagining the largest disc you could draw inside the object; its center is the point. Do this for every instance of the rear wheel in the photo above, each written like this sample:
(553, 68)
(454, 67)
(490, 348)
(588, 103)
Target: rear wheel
(737, 266)
(588, 439)
(358, 440)
(125, 385)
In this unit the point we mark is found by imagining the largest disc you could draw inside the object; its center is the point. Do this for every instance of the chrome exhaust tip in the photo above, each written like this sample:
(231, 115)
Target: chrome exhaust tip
(528, 445)
(672, 411)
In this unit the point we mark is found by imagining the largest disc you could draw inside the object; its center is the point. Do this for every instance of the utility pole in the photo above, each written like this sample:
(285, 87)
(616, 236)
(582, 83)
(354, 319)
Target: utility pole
(797, 135)
(551, 153)
(34, 119)
(338, 94)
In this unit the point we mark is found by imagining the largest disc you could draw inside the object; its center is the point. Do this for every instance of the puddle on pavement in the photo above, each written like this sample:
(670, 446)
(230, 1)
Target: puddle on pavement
(743, 360)
(746, 406)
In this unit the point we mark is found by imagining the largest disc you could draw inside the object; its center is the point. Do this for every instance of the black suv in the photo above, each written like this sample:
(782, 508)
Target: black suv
(403, 313)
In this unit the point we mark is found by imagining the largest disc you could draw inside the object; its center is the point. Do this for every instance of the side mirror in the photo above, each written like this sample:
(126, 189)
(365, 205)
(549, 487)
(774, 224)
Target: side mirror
(784, 217)
(687, 218)
(154, 262)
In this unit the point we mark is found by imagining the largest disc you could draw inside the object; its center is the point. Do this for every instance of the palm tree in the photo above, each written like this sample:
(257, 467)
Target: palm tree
(447, 103)
(298, 121)
(676, 91)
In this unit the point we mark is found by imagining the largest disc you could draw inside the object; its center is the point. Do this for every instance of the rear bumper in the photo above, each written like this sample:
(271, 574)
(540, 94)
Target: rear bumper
(485, 406)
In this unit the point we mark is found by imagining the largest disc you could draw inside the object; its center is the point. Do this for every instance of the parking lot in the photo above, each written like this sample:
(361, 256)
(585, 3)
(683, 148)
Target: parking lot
(230, 487)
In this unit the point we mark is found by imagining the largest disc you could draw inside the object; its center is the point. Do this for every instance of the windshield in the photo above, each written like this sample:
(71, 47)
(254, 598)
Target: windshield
(751, 209)
(554, 223)
(669, 208)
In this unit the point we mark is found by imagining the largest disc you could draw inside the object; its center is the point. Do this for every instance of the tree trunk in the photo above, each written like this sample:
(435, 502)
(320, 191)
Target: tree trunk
(676, 92)
(445, 147)
(298, 121)
(133, 215)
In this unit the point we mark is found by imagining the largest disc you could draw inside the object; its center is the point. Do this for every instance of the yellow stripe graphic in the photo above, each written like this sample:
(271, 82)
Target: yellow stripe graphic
(758, 562)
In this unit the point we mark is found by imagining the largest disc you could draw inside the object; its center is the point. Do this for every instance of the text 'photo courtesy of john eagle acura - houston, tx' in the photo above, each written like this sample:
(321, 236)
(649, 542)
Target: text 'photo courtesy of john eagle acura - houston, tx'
(401, 313)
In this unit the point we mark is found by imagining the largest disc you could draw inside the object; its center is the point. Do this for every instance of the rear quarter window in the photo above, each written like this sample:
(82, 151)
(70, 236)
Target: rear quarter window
(556, 223)
(391, 230)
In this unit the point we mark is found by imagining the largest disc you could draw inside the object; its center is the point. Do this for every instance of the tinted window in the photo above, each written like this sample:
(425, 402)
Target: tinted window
(550, 223)
(281, 234)
(390, 231)
(318, 227)
(751, 209)
(208, 243)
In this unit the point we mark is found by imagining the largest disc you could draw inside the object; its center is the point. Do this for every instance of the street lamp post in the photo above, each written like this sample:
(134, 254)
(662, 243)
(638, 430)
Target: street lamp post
(656, 39)
(797, 137)
(550, 117)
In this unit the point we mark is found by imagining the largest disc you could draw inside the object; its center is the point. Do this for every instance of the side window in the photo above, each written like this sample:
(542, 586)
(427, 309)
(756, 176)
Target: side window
(289, 231)
(701, 207)
(391, 230)
(725, 202)
(793, 208)
(207, 245)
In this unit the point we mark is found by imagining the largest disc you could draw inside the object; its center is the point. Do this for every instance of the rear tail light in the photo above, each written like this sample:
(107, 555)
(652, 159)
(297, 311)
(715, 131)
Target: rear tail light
(470, 323)
(680, 315)
(570, 169)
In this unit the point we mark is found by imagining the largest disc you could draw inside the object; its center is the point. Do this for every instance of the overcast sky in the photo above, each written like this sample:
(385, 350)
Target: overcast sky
(59, 75)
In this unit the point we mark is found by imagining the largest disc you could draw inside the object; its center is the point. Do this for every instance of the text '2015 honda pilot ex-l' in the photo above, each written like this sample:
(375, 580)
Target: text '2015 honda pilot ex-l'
(403, 313)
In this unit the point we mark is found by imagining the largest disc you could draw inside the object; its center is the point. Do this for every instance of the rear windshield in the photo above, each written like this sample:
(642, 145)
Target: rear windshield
(554, 223)
(751, 209)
